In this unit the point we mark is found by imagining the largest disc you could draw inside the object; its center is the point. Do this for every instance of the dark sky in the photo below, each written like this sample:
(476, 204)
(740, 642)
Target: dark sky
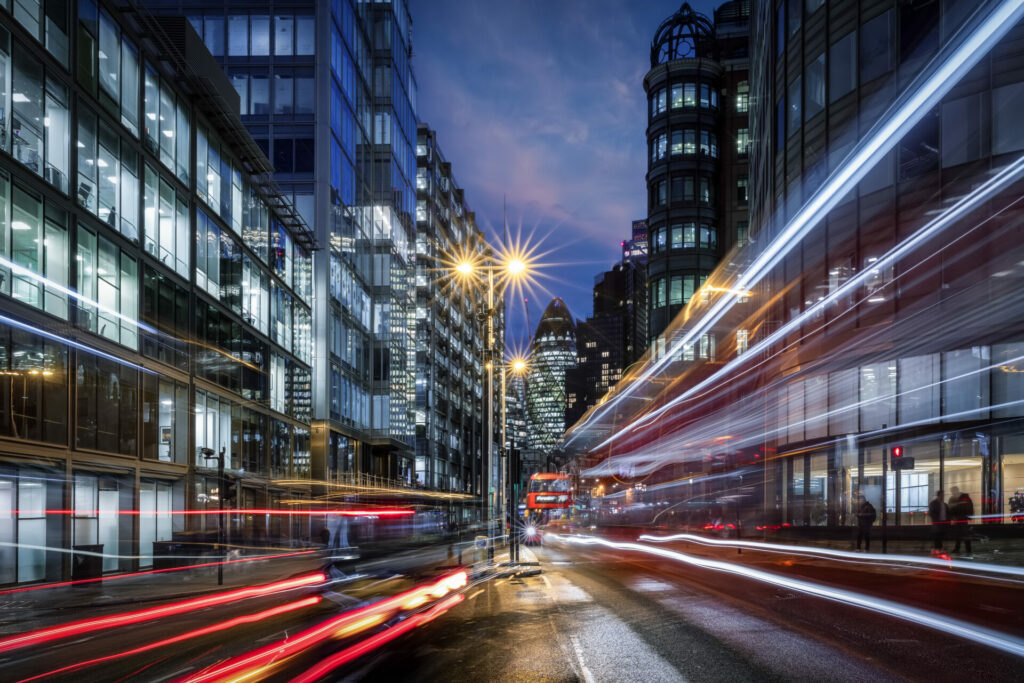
(542, 101)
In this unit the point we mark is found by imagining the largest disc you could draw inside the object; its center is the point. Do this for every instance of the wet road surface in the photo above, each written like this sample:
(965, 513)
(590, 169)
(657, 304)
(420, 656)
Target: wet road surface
(597, 614)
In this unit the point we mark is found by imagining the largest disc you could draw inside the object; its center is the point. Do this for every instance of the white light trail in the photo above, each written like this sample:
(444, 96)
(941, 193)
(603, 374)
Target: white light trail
(970, 567)
(914, 615)
(70, 342)
(21, 271)
(922, 94)
(964, 206)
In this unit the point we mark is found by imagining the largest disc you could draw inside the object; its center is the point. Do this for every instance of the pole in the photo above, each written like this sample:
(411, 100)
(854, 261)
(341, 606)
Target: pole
(517, 476)
(491, 490)
(220, 516)
(885, 509)
(505, 462)
(897, 478)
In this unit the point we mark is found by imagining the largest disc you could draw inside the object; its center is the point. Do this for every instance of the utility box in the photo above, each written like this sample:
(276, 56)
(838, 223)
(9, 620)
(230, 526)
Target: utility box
(85, 566)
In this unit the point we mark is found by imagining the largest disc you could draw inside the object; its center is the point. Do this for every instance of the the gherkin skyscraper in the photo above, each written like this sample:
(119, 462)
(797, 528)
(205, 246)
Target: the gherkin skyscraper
(552, 352)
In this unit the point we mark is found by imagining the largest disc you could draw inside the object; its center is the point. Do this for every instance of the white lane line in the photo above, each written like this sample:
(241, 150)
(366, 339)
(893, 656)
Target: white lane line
(578, 651)
(475, 594)
(651, 585)
(1001, 641)
(603, 638)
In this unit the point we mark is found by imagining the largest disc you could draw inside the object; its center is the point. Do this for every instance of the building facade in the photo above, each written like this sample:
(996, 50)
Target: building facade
(697, 137)
(878, 353)
(451, 328)
(605, 342)
(634, 256)
(328, 92)
(552, 354)
(155, 297)
(834, 70)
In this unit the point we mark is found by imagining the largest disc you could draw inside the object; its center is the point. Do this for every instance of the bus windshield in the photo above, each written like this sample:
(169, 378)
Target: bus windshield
(549, 485)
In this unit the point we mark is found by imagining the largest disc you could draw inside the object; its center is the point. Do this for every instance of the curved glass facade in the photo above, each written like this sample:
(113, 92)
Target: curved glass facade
(552, 353)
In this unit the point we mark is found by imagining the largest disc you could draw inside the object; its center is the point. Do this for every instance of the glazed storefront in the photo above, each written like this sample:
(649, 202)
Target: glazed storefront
(956, 414)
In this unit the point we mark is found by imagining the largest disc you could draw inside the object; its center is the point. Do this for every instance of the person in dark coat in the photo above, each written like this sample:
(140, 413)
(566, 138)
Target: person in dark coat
(960, 515)
(866, 516)
(938, 513)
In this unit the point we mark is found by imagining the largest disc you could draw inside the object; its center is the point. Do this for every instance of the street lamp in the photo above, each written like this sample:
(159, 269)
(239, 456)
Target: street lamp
(210, 454)
(512, 267)
(518, 366)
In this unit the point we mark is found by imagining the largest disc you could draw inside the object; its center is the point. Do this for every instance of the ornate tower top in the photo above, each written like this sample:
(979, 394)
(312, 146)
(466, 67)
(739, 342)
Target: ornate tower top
(680, 36)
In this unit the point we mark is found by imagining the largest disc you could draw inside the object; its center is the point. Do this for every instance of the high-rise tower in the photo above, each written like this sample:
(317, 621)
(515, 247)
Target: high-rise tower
(552, 352)
(697, 137)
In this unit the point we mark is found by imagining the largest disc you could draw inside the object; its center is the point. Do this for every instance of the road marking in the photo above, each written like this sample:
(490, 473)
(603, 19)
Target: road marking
(922, 617)
(650, 585)
(578, 651)
(563, 590)
(475, 594)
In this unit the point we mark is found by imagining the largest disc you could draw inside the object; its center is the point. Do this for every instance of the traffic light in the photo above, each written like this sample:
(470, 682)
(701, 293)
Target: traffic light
(900, 461)
(230, 489)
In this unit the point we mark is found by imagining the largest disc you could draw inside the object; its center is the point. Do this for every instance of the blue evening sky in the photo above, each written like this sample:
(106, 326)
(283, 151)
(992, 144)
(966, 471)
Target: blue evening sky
(542, 101)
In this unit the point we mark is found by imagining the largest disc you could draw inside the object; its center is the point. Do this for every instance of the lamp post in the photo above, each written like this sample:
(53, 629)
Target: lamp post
(518, 367)
(470, 269)
(209, 454)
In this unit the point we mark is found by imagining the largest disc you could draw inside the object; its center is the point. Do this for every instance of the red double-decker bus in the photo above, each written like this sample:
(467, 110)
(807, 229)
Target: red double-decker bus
(549, 491)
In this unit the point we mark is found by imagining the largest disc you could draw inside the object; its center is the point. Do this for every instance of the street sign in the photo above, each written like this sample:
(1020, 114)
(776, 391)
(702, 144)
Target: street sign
(903, 463)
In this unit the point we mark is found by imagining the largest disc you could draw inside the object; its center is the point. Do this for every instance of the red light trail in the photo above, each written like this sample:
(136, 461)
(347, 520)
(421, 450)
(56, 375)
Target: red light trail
(224, 625)
(298, 642)
(373, 642)
(383, 512)
(130, 575)
(77, 628)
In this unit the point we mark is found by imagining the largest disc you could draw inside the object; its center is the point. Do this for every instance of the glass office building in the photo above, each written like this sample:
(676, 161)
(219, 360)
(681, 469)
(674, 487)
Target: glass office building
(451, 329)
(552, 353)
(155, 296)
(869, 337)
(327, 91)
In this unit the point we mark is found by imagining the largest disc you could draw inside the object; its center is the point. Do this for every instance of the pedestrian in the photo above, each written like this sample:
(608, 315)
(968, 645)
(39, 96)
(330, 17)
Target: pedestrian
(960, 514)
(938, 513)
(325, 535)
(866, 516)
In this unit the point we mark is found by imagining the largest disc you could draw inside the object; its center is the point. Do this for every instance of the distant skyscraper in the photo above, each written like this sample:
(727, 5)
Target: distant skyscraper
(552, 352)
(609, 341)
(697, 136)
(636, 247)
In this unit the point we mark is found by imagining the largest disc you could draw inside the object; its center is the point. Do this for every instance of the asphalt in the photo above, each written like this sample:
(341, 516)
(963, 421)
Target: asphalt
(595, 614)
(587, 613)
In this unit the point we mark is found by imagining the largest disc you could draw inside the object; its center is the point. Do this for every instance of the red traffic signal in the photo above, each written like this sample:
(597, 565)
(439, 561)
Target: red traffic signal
(897, 451)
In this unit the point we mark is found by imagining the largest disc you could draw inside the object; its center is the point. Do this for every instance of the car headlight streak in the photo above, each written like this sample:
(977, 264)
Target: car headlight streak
(935, 80)
(955, 627)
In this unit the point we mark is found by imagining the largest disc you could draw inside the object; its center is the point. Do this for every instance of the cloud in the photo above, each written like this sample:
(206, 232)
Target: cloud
(542, 103)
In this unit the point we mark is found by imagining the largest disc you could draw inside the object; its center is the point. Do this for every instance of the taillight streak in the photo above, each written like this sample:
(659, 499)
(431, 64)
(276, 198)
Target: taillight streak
(115, 577)
(188, 635)
(347, 623)
(77, 628)
(375, 641)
